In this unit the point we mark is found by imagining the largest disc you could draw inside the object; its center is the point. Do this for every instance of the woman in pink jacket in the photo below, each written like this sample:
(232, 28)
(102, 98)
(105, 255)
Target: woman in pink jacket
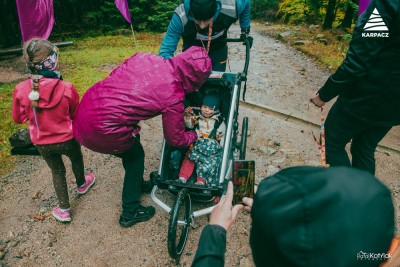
(144, 86)
(50, 104)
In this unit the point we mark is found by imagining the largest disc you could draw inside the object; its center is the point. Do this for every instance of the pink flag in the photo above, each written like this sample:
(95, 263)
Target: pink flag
(363, 6)
(36, 18)
(122, 6)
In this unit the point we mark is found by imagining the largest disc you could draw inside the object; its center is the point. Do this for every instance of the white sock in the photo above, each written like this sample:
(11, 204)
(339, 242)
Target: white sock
(64, 210)
(182, 179)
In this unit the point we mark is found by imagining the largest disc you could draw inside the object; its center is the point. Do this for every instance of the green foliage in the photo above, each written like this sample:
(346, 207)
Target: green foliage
(312, 11)
(264, 9)
(153, 16)
(7, 125)
(91, 17)
(298, 11)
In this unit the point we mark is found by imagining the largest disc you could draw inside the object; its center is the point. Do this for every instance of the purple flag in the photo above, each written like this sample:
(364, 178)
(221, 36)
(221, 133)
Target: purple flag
(362, 6)
(36, 18)
(122, 6)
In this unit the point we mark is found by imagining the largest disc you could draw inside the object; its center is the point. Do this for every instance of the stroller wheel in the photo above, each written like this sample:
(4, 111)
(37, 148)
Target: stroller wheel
(179, 223)
(243, 141)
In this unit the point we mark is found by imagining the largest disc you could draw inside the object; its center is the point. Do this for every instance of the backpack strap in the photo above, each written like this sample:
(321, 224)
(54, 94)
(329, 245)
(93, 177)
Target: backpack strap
(213, 134)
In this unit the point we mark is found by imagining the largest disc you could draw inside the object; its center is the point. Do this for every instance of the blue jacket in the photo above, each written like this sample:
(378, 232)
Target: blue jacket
(176, 28)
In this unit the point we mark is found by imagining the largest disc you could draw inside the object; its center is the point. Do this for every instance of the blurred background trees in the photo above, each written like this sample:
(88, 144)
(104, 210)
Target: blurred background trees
(76, 17)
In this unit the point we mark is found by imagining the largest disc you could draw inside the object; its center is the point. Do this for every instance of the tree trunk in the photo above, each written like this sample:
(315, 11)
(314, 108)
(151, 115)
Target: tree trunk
(9, 25)
(349, 15)
(330, 15)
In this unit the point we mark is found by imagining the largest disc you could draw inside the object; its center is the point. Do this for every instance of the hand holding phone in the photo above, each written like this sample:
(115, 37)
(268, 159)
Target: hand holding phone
(224, 214)
(243, 180)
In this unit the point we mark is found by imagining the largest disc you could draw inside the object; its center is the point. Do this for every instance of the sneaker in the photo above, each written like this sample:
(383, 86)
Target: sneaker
(147, 186)
(141, 214)
(61, 216)
(200, 181)
(89, 182)
(181, 180)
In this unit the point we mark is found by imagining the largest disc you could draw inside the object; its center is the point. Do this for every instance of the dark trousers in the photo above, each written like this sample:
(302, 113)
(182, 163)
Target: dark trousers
(133, 163)
(52, 155)
(219, 58)
(340, 128)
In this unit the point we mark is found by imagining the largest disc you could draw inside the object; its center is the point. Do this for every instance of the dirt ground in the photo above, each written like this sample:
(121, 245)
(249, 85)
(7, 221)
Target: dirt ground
(279, 77)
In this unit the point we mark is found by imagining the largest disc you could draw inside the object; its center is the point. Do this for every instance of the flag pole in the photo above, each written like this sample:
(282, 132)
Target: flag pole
(133, 33)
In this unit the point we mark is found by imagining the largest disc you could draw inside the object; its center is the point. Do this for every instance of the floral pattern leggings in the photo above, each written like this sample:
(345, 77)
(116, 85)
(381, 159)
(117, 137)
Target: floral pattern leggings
(52, 155)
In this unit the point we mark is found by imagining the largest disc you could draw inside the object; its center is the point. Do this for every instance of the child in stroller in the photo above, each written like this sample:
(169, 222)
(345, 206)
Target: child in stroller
(206, 153)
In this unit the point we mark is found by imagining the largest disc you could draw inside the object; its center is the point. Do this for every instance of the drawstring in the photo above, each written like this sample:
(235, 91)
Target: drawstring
(37, 125)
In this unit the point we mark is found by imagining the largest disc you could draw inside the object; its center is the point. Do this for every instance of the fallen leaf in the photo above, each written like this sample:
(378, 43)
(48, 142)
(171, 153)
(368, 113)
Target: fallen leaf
(38, 217)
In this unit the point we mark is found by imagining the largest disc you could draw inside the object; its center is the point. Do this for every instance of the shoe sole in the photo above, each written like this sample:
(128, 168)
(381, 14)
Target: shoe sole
(131, 223)
(87, 189)
(60, 219)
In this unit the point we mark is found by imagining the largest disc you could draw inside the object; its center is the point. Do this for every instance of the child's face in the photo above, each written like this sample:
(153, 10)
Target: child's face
(207, 111)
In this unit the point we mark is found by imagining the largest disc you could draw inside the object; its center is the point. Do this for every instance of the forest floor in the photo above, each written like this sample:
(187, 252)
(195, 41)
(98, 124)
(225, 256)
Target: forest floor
(280, 77)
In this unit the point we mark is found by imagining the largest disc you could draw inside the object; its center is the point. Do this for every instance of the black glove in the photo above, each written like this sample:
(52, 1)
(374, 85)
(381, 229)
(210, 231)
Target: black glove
(244, 35)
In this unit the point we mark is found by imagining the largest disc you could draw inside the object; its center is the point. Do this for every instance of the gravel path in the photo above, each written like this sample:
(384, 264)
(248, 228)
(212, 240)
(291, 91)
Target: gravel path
(279, 77)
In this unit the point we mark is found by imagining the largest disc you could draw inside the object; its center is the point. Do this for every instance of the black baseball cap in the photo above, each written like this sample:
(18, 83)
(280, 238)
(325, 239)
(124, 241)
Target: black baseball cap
(313, 216)
(203, 9)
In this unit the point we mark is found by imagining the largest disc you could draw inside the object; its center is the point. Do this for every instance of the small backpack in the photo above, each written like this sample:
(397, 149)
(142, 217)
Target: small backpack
(20, 139)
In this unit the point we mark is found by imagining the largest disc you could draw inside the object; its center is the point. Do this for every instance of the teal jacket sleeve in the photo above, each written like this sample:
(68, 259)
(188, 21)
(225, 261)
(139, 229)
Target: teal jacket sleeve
(243, 9)
(171, 38)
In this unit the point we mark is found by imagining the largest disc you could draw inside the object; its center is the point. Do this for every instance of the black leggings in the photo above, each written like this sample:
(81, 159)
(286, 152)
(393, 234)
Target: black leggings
(52, 155)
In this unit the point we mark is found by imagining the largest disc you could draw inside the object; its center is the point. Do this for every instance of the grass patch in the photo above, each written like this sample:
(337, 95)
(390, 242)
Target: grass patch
(85, 63)
(328, 48)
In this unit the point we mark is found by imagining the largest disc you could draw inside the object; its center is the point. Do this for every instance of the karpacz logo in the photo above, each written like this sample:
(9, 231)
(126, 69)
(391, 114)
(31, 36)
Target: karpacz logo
(375, 34)
(375, 26)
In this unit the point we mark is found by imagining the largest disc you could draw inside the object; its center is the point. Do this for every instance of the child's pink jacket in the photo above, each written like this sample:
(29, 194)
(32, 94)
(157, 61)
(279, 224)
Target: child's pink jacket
(58, 102)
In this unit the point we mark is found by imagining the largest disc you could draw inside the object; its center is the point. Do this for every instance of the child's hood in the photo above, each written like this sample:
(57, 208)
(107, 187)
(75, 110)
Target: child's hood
(191, 68)
(50, 93)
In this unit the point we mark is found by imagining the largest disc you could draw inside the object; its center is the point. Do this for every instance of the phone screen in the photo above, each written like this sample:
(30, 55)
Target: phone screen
(243, 180)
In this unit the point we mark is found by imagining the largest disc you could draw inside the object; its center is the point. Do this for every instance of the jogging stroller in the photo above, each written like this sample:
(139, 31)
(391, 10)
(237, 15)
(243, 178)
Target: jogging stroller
(229, 87)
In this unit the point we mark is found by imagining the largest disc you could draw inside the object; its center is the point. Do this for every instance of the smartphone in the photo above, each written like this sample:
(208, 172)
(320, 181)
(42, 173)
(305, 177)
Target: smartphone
(243, 180)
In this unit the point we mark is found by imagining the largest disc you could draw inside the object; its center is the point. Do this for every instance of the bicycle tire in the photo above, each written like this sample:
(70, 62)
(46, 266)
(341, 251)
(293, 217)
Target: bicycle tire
(182, 200)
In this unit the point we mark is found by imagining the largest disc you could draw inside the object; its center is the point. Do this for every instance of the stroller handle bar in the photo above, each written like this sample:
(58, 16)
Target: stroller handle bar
(246, 42)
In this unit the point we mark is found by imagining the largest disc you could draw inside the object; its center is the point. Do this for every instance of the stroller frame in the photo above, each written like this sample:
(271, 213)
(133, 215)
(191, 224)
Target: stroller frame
(232, 150)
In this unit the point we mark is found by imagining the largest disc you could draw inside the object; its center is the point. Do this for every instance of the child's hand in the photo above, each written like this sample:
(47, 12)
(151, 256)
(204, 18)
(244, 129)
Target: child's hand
(188, 111)
(199, 133)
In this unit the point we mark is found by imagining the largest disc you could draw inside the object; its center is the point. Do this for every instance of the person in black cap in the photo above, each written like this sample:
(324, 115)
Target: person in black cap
(205, 23)
(308, 216)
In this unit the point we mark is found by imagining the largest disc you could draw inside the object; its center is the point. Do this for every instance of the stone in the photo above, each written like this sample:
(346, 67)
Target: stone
(312, 26)
(324, 41)
(285, 34)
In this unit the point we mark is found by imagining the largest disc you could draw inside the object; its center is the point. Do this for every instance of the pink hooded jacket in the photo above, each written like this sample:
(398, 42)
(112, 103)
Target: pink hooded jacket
(144, 86)
(58, 101)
